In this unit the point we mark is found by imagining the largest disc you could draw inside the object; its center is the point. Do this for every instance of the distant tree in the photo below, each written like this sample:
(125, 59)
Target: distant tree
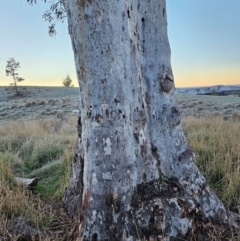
(11, 69)
(67, 81)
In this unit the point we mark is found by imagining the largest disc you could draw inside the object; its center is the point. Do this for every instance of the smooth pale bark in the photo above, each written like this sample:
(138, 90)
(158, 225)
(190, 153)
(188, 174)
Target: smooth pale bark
(133, 175)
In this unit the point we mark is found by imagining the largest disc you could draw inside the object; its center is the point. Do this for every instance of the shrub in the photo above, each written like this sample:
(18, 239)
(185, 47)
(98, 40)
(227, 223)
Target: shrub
(42, 102)
(67, 81)
(52, 101)
(59, 115)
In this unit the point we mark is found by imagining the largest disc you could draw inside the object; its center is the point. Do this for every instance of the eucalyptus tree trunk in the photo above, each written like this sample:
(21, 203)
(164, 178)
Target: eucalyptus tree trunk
(134, 176)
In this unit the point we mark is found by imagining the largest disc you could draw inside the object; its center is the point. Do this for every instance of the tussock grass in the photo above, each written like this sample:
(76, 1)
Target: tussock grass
(217, 146)
(30, 103)
(52, 101)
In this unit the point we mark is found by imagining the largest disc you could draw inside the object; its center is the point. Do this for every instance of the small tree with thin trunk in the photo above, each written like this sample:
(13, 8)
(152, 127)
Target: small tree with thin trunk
(11, 70)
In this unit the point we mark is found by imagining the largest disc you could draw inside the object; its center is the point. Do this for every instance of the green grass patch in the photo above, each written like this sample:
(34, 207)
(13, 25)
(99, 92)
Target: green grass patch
(52, 180)
(40, 152)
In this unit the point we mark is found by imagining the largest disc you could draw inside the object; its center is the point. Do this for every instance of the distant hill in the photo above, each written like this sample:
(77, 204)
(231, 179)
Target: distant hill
(211, 90)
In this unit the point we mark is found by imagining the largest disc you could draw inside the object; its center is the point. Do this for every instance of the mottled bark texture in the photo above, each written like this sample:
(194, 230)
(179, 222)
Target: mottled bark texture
(133, 175)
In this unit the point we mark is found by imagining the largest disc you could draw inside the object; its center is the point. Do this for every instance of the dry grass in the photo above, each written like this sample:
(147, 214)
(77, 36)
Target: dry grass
(42, 149)
(16, 201)
(216, 143)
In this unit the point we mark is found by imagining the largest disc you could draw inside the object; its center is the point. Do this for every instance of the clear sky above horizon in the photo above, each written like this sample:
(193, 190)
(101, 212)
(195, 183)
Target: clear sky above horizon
(204, 37)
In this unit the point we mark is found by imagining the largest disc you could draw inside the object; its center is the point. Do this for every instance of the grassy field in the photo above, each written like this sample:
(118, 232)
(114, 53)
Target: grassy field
(43, 148)
(217, 146)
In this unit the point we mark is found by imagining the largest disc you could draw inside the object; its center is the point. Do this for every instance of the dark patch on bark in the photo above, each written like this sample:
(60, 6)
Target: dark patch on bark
(109, 199)
(144, 148)
(83, 73)
(79, 75)
(107, 113)
(162, 188)
(79, 127)
(176, 187)
(88, 144)
(154, 151)
(95, 237)
(144, 192)
(116, 205)
(112, 202)
(185, 155)
(147, 98)
(136, 136)
(128, 13)
(174, 118)
(99, 118)
(123, 15)
(89, 114)
(174, 110)
(139, 121)
(86, 17)
(74, 49)
(84, 205)
(70, 30)
(164, 107)
(144, 176)
(116, 101)
(104, 81)
(84, 3)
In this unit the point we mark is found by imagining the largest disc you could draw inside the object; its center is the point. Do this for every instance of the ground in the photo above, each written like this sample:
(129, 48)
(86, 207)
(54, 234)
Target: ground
(37, 138)
(37, 102)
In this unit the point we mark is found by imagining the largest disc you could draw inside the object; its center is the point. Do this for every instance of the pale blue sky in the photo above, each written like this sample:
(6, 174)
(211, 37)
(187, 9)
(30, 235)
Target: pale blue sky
(204, 37)
(205, 41)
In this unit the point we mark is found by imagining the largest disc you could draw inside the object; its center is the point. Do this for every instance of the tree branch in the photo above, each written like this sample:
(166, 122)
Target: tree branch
(55, 13)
